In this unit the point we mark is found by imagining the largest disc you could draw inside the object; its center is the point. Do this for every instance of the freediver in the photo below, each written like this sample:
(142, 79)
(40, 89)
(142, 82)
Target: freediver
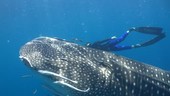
(112, 44)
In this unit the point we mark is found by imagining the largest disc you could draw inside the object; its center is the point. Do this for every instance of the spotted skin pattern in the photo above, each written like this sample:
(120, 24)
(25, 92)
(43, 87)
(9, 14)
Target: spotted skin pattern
(74, 70)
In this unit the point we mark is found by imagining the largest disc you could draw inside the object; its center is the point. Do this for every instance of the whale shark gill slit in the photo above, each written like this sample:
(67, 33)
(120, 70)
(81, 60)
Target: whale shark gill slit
(61, 82)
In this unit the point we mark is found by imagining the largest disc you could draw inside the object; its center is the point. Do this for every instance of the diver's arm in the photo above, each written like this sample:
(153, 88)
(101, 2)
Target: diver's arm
(103, 41)
(98, 44)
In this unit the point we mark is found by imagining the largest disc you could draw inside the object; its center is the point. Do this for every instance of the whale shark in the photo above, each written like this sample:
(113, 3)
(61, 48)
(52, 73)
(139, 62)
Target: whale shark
(74, 70)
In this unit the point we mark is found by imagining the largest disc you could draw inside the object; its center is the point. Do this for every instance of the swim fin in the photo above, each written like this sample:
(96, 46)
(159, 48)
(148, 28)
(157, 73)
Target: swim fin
(154, 40)
(158, 31)
(149, 30)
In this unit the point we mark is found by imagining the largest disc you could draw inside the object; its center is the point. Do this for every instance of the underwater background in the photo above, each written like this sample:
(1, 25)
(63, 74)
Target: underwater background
(87, 20)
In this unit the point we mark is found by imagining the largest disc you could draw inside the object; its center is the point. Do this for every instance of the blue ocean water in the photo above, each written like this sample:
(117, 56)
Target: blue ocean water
(88, 20)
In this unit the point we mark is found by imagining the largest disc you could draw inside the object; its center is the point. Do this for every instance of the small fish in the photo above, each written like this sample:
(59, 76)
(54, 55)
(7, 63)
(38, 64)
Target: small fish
(35, 91)
(26, 76)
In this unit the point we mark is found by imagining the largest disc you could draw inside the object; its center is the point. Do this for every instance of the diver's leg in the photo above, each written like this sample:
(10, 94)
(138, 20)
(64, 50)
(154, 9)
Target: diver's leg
(120, 47)
(147, 43)
(121, 38)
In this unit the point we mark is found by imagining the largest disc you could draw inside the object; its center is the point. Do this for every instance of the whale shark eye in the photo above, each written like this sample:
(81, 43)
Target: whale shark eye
(49, 41)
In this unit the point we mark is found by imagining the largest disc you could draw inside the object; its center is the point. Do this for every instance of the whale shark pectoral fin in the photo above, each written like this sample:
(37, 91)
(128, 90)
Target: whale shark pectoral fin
(71, 86)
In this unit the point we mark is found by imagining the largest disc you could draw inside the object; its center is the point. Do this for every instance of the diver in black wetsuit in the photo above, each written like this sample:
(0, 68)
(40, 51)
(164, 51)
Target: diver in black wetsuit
(111, 44)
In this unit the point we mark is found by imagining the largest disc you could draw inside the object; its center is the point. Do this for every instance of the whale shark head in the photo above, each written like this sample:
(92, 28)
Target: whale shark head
(60, 61)
(74, 70)
(41, 54)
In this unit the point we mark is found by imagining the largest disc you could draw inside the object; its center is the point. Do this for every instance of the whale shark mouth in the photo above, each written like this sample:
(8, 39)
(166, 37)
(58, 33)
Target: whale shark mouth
(45, 72)
(26, 61)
